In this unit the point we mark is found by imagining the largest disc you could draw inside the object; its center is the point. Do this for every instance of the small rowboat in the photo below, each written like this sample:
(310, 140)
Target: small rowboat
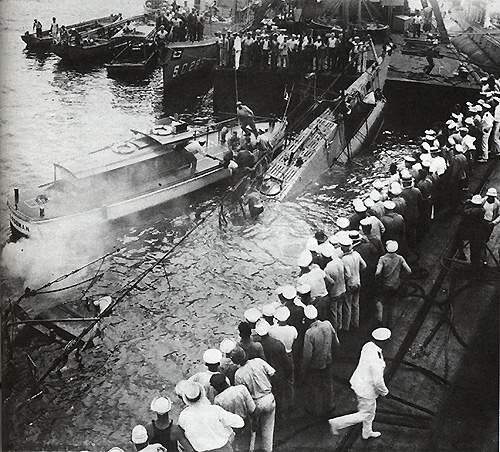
(43, 43)
(101, 45)
(136, 60)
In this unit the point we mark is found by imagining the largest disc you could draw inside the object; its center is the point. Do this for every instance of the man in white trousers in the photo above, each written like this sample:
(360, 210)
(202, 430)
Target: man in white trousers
(367, 382)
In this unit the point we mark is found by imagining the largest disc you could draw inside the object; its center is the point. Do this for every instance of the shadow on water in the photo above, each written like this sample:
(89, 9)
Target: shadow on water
(83, 68)
(191, 88)
(41, 57)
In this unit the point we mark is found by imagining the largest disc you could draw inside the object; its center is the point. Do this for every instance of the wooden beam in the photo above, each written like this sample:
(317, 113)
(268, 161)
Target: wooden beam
(439, 19)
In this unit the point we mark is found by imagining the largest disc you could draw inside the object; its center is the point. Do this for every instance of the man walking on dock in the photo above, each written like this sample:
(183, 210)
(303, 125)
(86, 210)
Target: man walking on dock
(389, 268)
(367, 382)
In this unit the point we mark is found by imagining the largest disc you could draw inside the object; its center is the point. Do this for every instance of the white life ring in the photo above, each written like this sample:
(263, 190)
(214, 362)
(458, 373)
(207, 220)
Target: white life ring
(149, 4)
(162, 130)
(124, 148)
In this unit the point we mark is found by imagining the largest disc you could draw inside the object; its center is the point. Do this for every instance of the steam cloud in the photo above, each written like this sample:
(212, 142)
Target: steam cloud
(37, 261)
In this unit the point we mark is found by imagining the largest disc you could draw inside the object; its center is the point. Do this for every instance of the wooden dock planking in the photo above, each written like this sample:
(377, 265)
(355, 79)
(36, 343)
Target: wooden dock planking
(410, 68)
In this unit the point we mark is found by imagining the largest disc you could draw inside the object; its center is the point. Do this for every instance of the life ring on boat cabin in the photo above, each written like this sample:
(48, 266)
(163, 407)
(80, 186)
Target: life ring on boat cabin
(124, 148)
(162, 130)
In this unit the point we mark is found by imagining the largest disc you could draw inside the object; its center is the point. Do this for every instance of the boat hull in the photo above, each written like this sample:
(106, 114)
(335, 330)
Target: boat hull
(329, 139)
(95, 54)
(44, 43)
(176, 183)
(118, 68)
(184, 59)
(34, 43)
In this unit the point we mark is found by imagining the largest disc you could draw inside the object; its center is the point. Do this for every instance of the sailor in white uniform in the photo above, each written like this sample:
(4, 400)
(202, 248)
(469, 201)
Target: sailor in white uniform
(367, 382)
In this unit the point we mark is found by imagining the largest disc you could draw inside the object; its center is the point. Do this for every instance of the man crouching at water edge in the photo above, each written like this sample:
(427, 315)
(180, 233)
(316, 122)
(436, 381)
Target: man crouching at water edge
(367, 382)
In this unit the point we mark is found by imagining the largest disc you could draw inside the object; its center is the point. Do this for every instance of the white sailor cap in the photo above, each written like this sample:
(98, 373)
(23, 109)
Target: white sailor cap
(345, 241)
(303, 289)
(395, 188)
(282, 314)
(139, 434)
(375, 195)
(212, 356)
(305, 259)
(459, 148)
(360, 207)
(469, 121)
(327, 249)
(191, 391)
(342, 222)
(426, 146)
(310, 312)
(341, 235)
(268, 310)
(333, 239)
(312, 244)
(378, 184)
(365, 222)
(492, 191)
(354, 236)
(161, 405)
(409, 159)
(103, 303)
(405, 174)
(381, 334)
(391, 246)
(262, 327)
(227, 346)
(425, 157)
(288, 292)
(252, 315)
(369, 203)
(389, 205)
(477, 200)
(430, 132)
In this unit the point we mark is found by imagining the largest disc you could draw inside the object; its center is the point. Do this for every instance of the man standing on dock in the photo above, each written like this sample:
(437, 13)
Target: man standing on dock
(367, 382)
(246, 118)
(320, 342)
(389, 268)
(429, 56)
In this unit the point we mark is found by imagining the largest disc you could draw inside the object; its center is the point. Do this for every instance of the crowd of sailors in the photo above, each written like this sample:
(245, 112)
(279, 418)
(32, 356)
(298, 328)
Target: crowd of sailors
(354, 274)
(272, 48)
(176, 24)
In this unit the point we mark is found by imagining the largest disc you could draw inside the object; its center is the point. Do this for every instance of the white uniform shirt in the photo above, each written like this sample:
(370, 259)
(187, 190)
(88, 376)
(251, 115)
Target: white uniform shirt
(368, 379)
(487, 122)
(237, 44)
(286, 334)
(316, 280)
(378, 227)
(194, 147)
(208, 427)
(497, 113)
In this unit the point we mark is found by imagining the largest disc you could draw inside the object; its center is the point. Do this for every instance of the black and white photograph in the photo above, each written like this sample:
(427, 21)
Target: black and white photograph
(250, 225)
